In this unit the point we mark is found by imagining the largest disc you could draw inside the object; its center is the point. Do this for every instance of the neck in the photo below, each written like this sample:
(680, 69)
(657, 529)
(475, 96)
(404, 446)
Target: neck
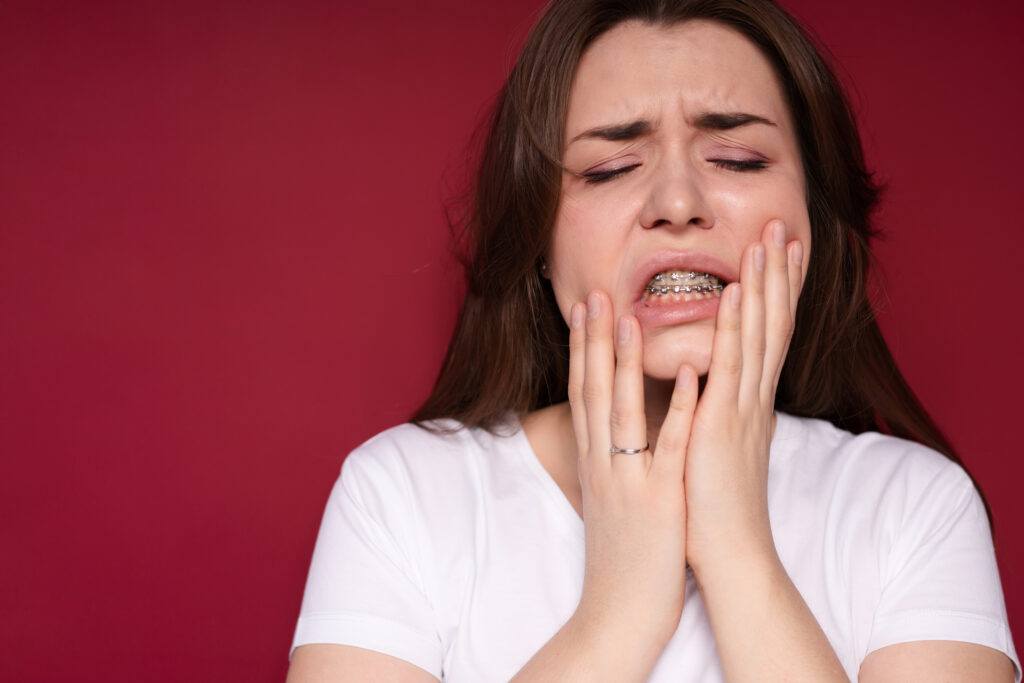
(657, 395)
(551, 428)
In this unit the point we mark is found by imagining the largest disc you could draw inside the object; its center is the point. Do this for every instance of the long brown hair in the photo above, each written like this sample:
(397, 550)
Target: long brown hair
(509, 348)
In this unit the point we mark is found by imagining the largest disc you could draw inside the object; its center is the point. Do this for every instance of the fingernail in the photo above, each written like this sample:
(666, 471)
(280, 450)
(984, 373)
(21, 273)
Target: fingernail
(759, 256)
(798, 253)
(576, 315)
(623, 330)
(593, 305)
(779, 234)
(734, 298)
(683, 380)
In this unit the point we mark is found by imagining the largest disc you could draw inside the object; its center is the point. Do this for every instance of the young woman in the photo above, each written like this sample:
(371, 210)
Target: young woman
(654, 449)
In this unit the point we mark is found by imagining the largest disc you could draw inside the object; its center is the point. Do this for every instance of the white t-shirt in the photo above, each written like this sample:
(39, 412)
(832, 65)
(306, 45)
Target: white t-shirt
(460, 554)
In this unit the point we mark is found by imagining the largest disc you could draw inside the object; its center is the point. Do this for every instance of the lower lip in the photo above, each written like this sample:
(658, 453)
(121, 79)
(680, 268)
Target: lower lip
(664, 313)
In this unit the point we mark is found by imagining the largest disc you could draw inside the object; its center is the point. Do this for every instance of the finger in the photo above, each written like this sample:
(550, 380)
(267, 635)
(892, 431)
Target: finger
(752, 320)
(726, 356)
(628, 421)
(796, 279)
(778, 318)
(599, 373)
(670, 454)
(796, 274)
(577, 363)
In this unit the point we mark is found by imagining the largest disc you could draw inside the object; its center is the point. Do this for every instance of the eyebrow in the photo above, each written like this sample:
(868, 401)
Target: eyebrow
(617, 133)
(728, 120)
(714, 121)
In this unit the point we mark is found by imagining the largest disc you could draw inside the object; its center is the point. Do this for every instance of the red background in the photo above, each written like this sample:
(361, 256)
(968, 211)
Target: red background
(223, 264)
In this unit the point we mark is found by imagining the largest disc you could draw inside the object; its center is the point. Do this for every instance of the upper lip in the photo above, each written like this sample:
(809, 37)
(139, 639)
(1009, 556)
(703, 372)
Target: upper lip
(696, 261)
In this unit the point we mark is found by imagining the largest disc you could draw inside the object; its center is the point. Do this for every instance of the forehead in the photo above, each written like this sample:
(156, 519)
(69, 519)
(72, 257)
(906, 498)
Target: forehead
(641, 70)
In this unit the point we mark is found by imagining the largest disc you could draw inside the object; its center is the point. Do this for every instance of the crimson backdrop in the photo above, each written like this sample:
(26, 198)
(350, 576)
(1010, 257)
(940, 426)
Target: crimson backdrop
(223, 264)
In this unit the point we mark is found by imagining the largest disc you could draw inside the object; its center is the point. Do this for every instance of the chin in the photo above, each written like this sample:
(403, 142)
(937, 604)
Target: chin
(666, 350)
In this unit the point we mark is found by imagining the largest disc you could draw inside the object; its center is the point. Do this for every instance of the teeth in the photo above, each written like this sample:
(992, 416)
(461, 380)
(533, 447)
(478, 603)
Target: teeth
(697, 283)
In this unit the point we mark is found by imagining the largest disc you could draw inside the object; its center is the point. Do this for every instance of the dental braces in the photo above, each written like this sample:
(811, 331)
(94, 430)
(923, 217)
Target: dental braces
(676, 289)
(688, 289)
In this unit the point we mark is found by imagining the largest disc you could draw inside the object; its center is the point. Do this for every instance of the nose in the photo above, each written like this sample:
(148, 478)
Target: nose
(675, 197)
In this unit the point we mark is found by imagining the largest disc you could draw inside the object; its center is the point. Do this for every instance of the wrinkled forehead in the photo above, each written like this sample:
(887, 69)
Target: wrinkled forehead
(652, 71)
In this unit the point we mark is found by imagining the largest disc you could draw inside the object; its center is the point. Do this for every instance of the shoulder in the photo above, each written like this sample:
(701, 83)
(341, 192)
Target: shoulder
(434, 444)
(884, 475)
(405, 444)
(870, 455)
(416, 462)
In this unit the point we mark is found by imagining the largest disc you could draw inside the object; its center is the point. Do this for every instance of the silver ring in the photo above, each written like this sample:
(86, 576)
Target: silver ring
(629, 451)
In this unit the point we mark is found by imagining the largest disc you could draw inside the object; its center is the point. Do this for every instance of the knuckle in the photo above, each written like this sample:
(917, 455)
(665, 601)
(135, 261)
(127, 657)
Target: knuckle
(782, 328)
(681, 401)
(758, 347)
(733, 365)
(667, 443)
(592, 393)
(621, 420)
(782, 322)
(784, 333)
(575, 388)
(590, 479)
(626, 359)
(678, 404)
(575, 396)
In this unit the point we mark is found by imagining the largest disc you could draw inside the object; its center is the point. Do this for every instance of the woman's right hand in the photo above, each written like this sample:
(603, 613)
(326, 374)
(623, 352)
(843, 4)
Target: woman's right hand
(634, 510)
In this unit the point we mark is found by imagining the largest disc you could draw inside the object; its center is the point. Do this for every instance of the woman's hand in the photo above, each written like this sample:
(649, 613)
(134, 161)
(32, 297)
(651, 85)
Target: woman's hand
(726, 470)
(634, 509)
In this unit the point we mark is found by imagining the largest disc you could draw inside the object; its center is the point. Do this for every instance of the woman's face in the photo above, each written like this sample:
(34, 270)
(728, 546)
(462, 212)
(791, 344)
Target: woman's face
(684, 150)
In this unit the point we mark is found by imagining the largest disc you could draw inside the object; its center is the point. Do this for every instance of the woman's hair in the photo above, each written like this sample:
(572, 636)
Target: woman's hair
(509, 351)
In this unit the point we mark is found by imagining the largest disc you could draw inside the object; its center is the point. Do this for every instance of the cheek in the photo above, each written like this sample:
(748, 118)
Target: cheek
(562, 259)
(585, 249)
(747, 208)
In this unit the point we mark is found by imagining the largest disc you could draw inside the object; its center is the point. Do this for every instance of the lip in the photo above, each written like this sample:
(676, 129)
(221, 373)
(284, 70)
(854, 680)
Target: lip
(684, 311)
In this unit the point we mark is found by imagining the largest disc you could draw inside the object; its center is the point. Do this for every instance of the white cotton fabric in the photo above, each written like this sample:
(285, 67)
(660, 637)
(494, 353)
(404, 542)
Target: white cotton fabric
(460, 554)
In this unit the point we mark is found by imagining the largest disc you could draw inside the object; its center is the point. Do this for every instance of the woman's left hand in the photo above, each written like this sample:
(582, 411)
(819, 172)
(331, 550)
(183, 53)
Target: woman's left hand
(726, 472)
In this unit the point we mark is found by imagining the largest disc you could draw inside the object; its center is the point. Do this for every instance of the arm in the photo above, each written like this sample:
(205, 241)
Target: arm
(633, 509)
(587, 650)
(765, 632)
(936, 660)
(763, 628)
(322, 663)
(582, 650)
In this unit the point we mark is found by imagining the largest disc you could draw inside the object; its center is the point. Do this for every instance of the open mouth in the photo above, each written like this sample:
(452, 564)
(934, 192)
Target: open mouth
(682, 285)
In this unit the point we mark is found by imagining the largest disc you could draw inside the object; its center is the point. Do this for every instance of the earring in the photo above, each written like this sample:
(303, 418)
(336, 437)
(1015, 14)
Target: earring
(543, 267)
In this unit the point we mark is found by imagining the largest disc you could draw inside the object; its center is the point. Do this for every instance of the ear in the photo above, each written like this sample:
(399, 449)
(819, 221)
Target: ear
(543, 268)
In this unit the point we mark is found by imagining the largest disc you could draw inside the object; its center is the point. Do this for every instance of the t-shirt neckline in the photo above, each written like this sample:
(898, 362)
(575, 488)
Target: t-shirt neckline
(568, 516)
(786, 428)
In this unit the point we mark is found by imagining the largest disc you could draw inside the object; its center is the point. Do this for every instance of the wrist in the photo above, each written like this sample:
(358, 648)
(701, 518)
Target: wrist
(753, 557)
(605, 626)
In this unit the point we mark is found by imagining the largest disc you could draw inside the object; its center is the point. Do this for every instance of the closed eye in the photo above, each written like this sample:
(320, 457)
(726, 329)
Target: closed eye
(601, 176)
(741, 164)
